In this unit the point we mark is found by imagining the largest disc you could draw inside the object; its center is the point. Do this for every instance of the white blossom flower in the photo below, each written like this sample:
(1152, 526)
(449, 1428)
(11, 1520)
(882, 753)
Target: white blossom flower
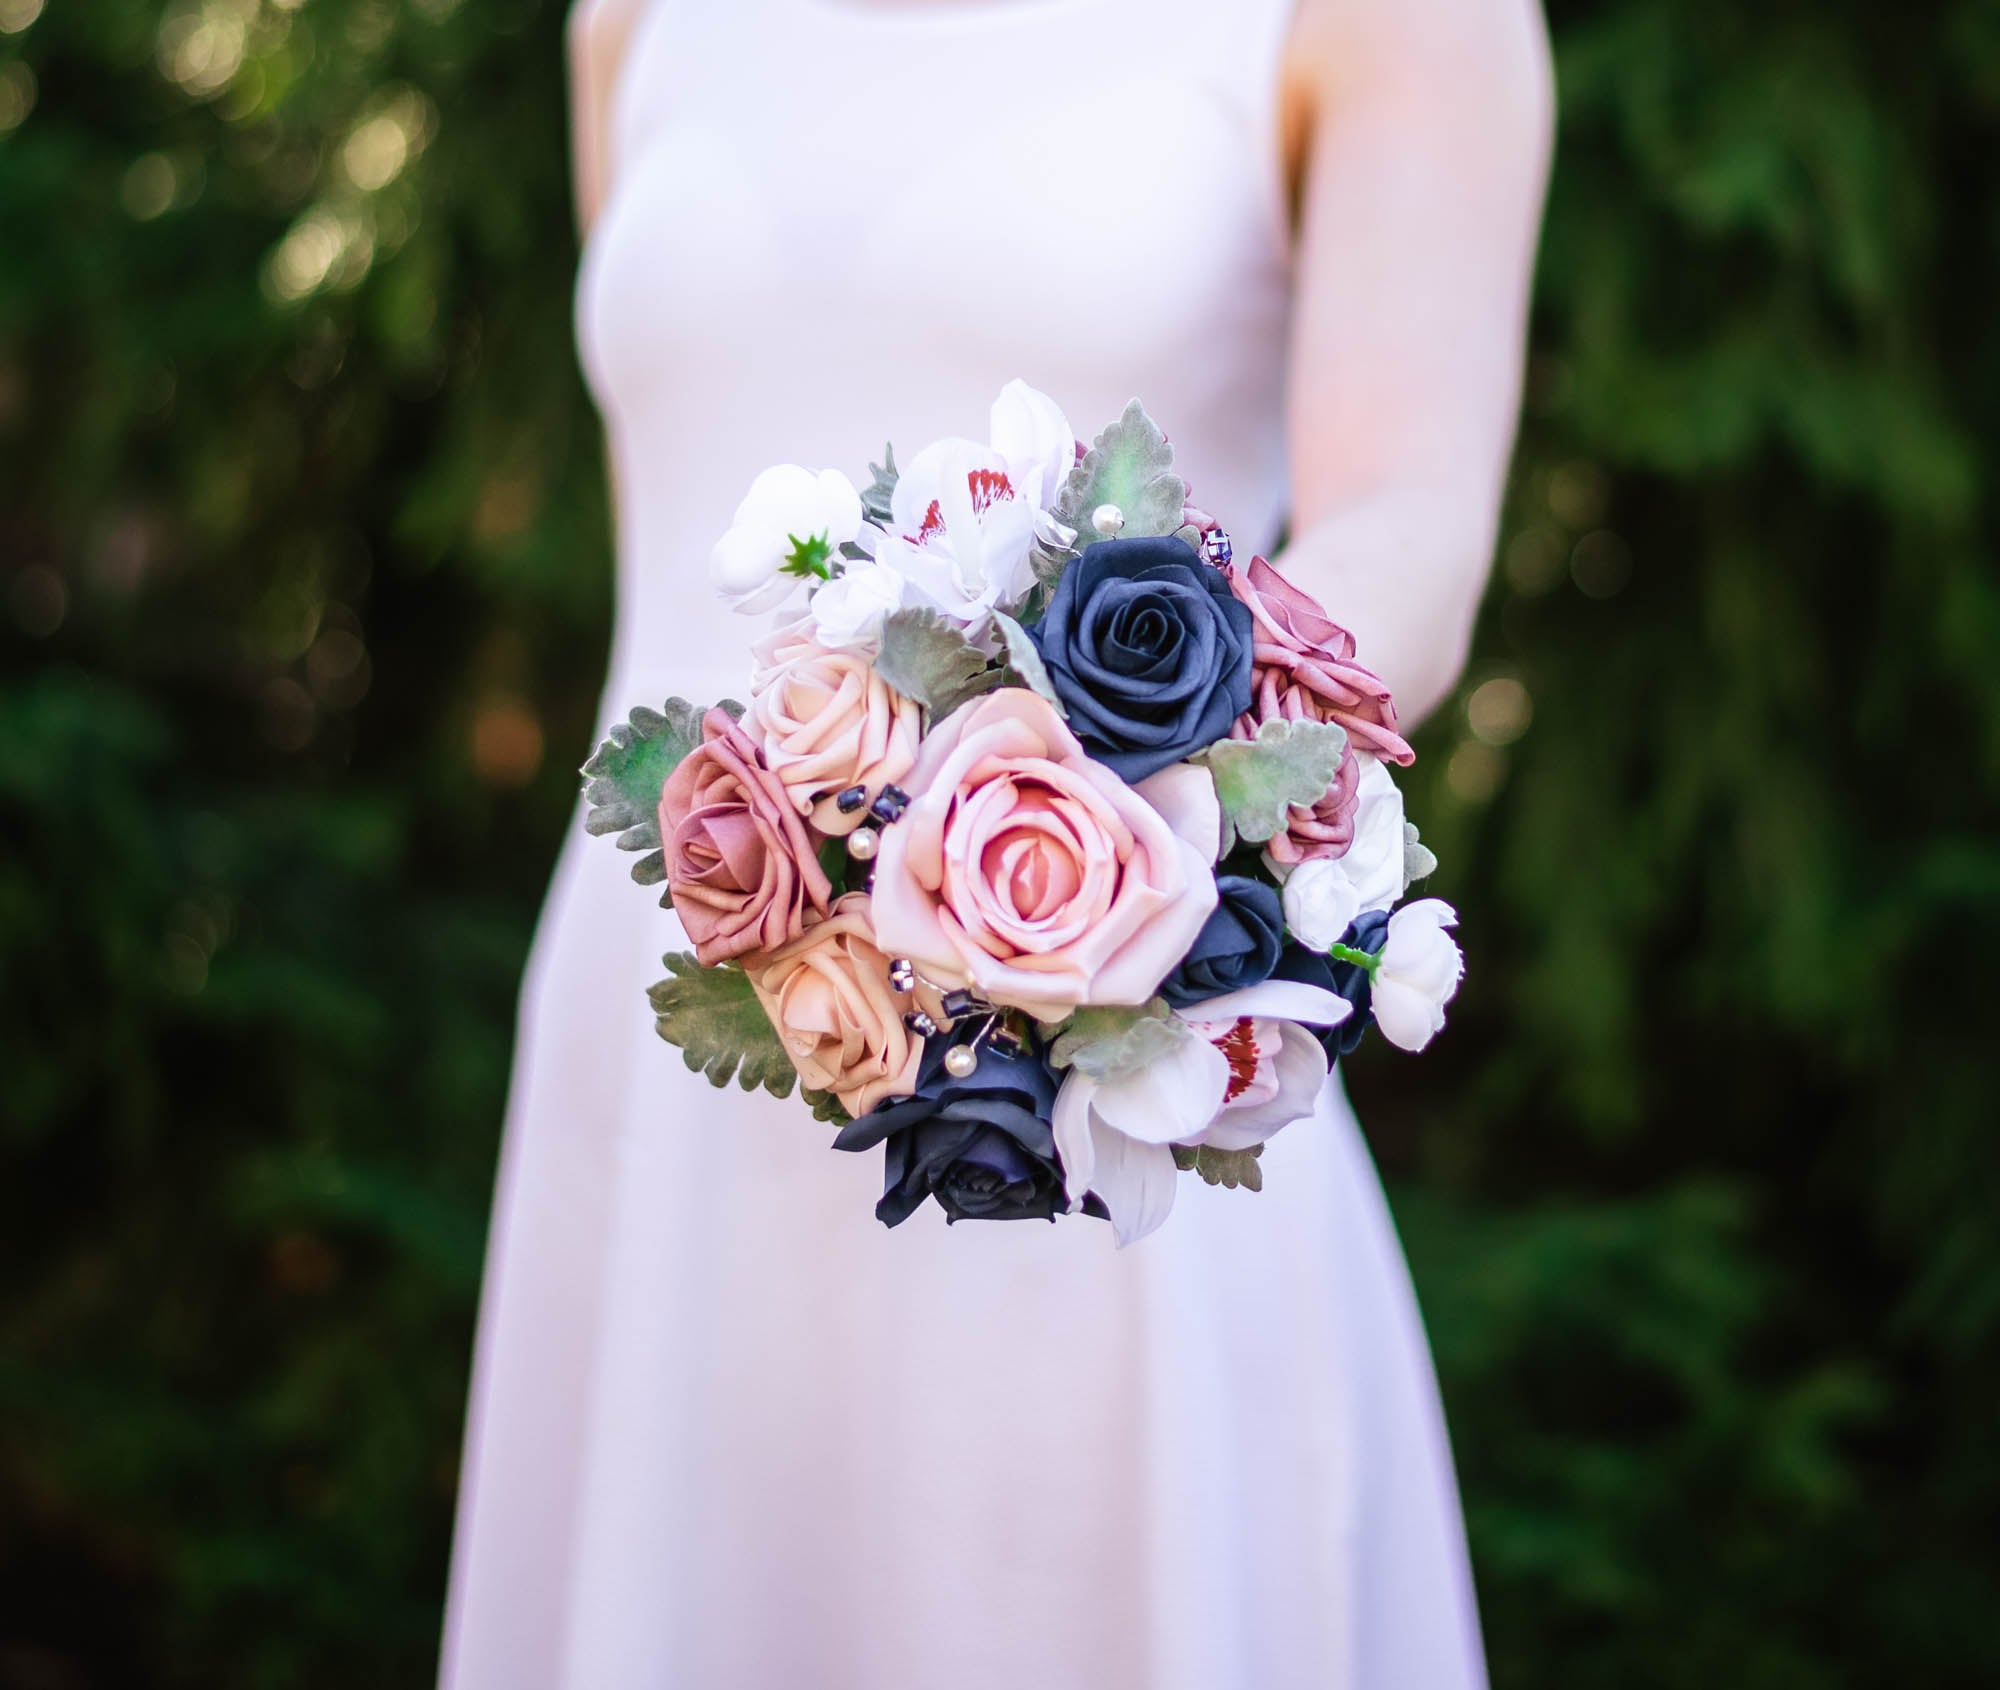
(790, 516)
(962, 517)
(1321, 902)
(848, 611)
(1420, 969)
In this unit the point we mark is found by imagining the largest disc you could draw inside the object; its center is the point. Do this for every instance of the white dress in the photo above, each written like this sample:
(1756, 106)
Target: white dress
(727, 1430)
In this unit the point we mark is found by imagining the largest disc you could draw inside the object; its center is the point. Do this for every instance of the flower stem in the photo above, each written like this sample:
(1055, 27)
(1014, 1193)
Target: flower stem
(1370, 960)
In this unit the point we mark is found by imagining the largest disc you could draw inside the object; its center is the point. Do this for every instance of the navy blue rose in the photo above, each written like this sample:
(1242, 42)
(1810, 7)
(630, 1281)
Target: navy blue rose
(981, 1145)
(1149, 652)
(1239, 945)
(1344, 979)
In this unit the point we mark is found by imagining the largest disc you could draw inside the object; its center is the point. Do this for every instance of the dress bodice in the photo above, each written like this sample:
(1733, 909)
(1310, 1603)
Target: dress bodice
(835, 221)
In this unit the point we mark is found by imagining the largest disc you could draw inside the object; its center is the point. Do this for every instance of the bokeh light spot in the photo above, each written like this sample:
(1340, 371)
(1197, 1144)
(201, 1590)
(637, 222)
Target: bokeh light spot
(1578, 493)
(150, 186)
(1534, 560)
(17, 95)
(16, 15)
(506, 742)
(1601, 564)
(1499, 710)
(1475, 772)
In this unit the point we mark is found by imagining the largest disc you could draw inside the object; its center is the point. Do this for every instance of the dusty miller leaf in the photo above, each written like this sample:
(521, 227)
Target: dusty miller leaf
(1258, 780)
(928, 658)
(881, 488)
(1024, 665)
(1108, 1042)
(721, 1028)
(1129, 465)
(1419, 860)
(1222, 1167)
(825, 1107)
(622, 780)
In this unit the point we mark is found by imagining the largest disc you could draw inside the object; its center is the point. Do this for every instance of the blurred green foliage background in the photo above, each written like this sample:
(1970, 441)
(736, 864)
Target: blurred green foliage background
(303, 605)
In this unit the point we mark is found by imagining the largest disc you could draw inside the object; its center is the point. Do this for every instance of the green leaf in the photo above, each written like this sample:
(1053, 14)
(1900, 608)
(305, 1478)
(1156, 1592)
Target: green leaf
(1130, 465)
(927, 658)
(1222, 1167)
(825, 1107)
(1024, 665)
(881, 488)
(1108, 1042)
(622, 780)
(1258, 780)
(1419, 860)
(722, 1030)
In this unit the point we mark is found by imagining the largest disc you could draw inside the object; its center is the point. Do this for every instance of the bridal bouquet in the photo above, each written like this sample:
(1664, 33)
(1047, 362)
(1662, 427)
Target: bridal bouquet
(1056, 851)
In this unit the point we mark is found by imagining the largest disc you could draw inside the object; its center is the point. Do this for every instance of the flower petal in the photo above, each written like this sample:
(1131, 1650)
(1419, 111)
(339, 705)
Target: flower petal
(1134, 1182)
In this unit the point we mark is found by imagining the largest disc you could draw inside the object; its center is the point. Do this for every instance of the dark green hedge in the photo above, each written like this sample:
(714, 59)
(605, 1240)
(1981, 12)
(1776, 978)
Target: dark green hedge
(302, 554)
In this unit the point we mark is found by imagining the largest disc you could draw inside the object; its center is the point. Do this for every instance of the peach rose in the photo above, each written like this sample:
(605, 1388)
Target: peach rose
(740, 862)
(828, 722)
(1034, 875)
(1302, 665)
(827, 992)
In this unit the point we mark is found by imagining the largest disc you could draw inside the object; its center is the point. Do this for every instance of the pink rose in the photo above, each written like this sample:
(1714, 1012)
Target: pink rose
(1326, 829)
(1033, 874)
(1303, 666)
(827, 722)
(827, 992)
(740, 862)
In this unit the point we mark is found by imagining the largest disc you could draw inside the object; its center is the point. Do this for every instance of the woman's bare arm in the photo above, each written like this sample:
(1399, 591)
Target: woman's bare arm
(1420, 133)
(599, 32)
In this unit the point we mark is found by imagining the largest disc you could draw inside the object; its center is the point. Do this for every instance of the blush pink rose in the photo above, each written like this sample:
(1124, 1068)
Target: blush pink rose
(826, 722)
(1325, 829)
(740, 862)
(1302, 665)
(1034, 875)
(827, 992)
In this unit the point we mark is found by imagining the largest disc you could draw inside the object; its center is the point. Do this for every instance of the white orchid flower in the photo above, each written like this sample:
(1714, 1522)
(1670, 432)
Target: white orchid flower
(791, 519)
(1113, 1135)
(1246, 1068)
(1420, 968)
(962, 517)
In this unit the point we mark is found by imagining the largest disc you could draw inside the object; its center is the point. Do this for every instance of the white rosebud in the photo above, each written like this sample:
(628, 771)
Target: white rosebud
(847, 612)
(1321, 902)
(1375, 861)
(785, 508)
(1420, 969)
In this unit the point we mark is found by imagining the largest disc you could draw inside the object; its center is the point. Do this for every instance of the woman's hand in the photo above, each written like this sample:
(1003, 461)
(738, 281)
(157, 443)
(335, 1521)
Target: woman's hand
(1419, 135)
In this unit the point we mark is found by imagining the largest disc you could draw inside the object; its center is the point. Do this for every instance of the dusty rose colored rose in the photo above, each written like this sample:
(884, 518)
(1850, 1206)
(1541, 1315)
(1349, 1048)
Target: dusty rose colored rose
(826, 722)
(740, 861)
(1326, 829)
(1303, 666)
(1034, 875)
(827, 992)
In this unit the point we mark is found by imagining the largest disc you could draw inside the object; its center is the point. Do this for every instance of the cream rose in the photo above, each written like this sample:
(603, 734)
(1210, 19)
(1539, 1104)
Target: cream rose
(827, 992)
(1034, 875)
(826, 722)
